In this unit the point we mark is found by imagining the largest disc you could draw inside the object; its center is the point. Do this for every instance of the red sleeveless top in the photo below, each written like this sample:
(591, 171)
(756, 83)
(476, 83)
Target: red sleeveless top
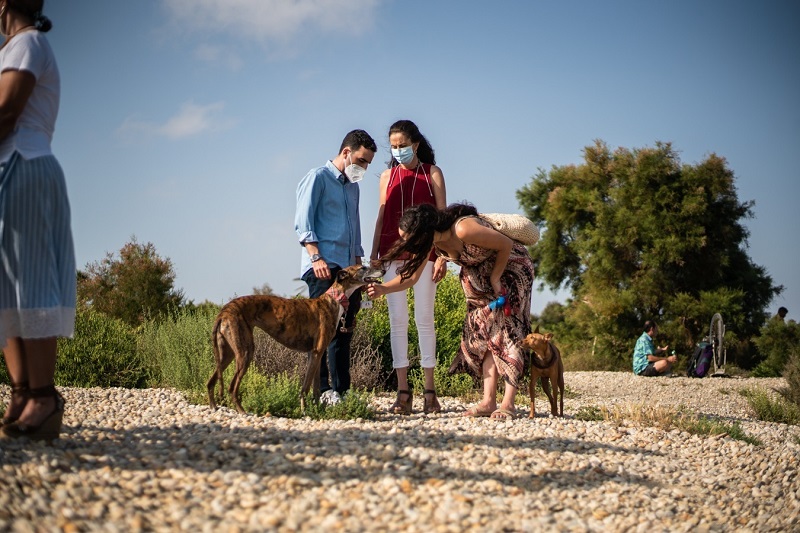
(406, 187)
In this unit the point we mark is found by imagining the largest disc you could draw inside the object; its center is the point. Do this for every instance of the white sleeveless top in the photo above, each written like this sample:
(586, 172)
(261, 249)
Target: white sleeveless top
(30, 51)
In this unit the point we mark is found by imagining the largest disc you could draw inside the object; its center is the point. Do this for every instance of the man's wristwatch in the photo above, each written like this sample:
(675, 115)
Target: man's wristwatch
(315, 258)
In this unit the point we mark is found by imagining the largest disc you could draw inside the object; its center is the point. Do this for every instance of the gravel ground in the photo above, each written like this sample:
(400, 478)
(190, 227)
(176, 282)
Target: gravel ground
(146, 460)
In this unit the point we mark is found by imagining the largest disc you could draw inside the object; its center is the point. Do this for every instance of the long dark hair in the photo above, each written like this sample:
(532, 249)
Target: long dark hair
(425, 151)
(420, 222)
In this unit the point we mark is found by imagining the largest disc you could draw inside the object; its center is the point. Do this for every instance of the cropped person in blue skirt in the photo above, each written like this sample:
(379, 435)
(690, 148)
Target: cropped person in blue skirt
(37, 259)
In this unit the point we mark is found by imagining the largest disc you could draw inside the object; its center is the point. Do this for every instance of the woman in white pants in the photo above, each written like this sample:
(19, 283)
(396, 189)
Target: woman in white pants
(412, 178)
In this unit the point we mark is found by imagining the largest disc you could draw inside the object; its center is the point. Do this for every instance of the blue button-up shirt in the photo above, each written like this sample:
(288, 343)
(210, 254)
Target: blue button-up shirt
(644, 347)
(327, 213)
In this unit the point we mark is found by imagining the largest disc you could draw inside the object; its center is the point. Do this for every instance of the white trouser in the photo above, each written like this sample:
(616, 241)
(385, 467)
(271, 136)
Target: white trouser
(424, 297)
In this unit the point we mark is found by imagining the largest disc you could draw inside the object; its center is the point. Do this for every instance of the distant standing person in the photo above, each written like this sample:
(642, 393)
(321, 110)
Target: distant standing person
(328, 227)
(781, 316)
(647, 359)
(412, 178)
(37, 259)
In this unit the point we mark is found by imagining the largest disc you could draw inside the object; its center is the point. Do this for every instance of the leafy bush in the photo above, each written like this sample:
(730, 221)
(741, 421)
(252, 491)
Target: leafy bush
(791, 372)
(179, 350)
(101, 354)
(775, 344)
(771, 409)
(449, 312)
(590, 413)
(180, 355)
(446, 385)
(279, 395)
(375, 323)
(371, 357)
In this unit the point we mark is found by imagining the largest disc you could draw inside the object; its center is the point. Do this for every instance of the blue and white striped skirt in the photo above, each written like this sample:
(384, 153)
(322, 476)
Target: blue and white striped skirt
(37, 256)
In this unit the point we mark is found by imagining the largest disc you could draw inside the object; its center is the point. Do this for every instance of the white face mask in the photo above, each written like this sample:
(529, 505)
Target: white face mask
(354, 172)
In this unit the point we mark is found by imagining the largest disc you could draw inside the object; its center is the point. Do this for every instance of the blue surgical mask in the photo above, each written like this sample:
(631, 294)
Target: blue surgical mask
(404, 155)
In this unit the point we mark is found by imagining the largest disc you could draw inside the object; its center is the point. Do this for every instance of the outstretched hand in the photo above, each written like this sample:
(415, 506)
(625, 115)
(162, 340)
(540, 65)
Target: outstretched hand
(375, 290)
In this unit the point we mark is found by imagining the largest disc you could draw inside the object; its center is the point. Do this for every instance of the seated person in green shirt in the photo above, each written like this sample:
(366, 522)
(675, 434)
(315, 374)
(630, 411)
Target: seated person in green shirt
(647, 360)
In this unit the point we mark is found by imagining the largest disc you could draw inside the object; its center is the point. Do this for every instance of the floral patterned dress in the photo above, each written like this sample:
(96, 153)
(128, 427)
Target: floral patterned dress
(491, 331)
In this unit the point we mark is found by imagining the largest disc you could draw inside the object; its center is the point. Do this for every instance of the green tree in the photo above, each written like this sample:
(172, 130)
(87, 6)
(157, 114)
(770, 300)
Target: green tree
(137, 285)
(636, 234)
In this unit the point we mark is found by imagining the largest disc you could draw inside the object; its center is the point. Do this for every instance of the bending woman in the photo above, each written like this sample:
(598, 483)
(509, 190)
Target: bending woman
(491, 265)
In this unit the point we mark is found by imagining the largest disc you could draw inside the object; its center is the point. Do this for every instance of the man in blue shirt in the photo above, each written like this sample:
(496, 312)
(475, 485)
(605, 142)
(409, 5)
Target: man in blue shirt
(328, 227)
(647, 360)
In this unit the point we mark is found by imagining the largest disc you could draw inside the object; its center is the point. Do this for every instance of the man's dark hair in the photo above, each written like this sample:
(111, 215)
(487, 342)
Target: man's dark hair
(356, 139)
(649, 324)
(782, 312)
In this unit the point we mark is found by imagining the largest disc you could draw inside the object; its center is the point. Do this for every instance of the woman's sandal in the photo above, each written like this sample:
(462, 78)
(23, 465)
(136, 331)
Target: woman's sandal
(503, 414)
(432, 406)
(477, 412)
(50, 427)
(20, 391)
(402, 407)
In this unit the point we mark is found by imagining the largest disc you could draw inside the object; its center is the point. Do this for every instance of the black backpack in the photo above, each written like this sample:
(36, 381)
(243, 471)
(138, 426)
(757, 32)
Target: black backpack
(700, 362)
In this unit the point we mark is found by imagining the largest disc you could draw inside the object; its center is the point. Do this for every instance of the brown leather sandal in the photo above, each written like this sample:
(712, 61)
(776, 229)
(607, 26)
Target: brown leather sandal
(49, 428)
(402, 407)
(18, 390)
(432, 406)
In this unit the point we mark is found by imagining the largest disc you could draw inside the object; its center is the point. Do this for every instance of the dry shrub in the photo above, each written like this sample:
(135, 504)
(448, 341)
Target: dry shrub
(581, 359)
(365, 361)
(644, 414)
(271, 358)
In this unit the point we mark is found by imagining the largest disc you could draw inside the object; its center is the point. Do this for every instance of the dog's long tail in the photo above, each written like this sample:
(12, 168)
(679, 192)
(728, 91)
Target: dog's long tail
(216, 376)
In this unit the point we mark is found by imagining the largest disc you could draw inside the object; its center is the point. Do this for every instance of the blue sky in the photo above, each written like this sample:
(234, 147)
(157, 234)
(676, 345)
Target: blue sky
(188, 123)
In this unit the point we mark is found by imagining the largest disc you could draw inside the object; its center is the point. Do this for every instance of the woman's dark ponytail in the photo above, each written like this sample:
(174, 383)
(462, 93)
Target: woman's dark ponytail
(41, 23)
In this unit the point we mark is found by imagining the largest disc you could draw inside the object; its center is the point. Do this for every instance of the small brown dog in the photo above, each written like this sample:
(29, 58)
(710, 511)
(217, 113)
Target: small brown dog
(303, 324)
(545, 364)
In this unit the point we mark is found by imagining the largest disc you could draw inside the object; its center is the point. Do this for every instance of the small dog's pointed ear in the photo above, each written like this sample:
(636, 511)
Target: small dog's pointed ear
(537, 329)
(342, 275)
(548, 336)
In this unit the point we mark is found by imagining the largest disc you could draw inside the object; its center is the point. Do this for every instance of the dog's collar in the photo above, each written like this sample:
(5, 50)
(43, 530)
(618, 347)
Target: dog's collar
(340, 297)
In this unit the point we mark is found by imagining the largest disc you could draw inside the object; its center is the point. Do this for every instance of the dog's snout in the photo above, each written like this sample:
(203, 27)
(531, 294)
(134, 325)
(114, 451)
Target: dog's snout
(373, 275)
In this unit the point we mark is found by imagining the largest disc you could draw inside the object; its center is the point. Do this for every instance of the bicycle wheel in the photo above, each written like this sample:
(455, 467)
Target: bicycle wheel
(716, 336)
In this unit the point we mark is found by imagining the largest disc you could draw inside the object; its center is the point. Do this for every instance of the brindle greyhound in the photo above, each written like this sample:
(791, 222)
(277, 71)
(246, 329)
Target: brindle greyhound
(545, 364)
(303, 324)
